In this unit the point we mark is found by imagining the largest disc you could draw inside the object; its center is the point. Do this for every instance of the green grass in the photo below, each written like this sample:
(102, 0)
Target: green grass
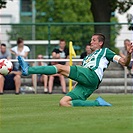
(41, 114)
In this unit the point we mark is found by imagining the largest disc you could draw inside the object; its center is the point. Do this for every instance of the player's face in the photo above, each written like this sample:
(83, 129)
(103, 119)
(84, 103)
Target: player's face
(95, 43)
(62, 44)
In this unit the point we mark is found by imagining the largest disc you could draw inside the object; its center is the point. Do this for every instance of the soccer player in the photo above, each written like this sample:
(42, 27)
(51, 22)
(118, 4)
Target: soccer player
(88, 76)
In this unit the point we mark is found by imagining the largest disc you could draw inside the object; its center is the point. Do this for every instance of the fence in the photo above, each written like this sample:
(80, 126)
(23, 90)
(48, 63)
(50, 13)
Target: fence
(79, 33)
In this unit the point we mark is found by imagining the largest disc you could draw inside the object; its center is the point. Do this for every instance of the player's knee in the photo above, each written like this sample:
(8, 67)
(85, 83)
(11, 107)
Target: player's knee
(62, 102)
(65, 101)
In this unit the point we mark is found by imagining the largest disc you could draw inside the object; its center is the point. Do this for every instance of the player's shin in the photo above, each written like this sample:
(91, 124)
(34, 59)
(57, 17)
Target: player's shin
(84, 103)
(47, 70)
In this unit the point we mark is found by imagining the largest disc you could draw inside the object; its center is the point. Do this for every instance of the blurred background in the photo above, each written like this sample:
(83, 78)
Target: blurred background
(42, 23)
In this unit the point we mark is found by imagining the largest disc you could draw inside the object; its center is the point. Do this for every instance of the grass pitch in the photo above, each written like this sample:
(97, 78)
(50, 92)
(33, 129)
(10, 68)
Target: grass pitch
(40, 113)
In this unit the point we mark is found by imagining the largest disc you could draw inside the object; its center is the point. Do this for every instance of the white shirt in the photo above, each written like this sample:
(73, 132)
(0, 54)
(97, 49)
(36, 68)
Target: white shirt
(22, 53)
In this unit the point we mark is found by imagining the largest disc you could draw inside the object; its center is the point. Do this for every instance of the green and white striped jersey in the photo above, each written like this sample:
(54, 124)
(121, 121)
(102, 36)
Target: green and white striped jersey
(99, 60)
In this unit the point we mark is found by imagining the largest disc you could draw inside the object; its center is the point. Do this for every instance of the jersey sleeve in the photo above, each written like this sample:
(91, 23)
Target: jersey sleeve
(111, 56)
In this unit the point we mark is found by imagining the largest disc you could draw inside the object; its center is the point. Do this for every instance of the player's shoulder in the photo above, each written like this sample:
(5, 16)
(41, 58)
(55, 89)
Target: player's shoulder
(107, 50)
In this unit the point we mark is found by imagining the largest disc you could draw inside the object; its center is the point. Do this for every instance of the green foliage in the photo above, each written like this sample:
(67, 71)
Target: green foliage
(3, 3)
(65, 11)
(114, 32)
(124, 5)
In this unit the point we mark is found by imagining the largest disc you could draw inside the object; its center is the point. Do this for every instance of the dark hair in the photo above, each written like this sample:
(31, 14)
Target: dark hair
(62, 40)
(3, 44)
(126, 40)
(101, 37)
(20, 40)
(87, 45)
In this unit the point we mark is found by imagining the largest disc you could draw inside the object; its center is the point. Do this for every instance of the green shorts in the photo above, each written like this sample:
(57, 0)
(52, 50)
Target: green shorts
(87, 80)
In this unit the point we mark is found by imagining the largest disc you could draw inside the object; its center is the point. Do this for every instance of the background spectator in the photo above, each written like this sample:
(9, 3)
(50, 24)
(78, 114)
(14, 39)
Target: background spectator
(40, 78)
(59, 53)
(87, 52)
(4, 53)
(123, 53)
(84, 54)
(12, 80)
(20, 50)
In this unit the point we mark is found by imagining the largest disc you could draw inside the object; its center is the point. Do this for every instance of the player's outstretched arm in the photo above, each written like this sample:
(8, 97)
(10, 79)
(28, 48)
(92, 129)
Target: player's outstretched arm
(124, 61)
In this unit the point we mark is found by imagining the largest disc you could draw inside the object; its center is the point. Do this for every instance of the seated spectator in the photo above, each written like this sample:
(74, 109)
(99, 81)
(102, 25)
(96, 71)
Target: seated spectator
(87, 52)
(40, 78)
(21, 50)
(59, 53)
(84, 54)
(12, 80)
(123, 53)
(4, 53)
(59, 78)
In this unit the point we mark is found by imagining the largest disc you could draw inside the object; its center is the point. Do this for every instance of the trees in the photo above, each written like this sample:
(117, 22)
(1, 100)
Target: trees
(102, 9)
(65, 11)
(3, 3)
(73, 11)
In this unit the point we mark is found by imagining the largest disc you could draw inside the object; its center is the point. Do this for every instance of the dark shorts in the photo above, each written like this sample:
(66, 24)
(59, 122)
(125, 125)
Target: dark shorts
(9, 82)
(130, 65)
(87, 80)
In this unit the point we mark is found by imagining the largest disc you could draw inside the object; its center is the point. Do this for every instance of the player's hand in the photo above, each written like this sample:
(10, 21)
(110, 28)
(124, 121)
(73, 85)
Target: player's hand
(129, 48)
